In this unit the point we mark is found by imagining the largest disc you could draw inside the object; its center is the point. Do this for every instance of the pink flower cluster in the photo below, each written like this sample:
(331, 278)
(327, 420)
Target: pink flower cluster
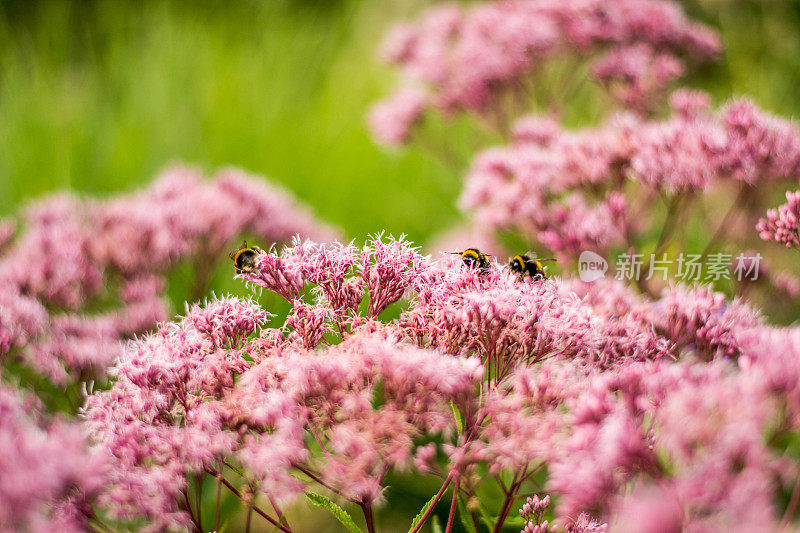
(636, 76)
(781, 224)
(159, 420)
(204, 394)
(48, 477)
(572, 191)
(86, 273)
(475, 59)
(533, 514)
(662, 410)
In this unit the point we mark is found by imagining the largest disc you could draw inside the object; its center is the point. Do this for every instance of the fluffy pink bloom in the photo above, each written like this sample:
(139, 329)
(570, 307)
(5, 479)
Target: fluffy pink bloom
(536, 130)
(759, 146)
(267, 211)
(507, 374)
(710, 426)
(676, 155)
(186, 396)
(308, 324)
(182, 214)
(50, 260)
(570, 190)
(585, 524)
(113, 254)
(781, 224)
(48, 476)
(388, 270)
(687, 103)
(160, 420)
(471, 59)
(343, 274)
(392, 119)
(226, 322)
(523, 187)
(701, 320)
(575, 225)
(636, 76)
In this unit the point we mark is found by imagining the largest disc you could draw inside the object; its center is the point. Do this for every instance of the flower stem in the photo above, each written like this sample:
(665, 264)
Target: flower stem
(219, 498)
(727, 219)
(281, 517)
(189, 510)
(453, 505)
(435, 500)
(318, 480)
(366, 508)
(199, 500)
(252, 506)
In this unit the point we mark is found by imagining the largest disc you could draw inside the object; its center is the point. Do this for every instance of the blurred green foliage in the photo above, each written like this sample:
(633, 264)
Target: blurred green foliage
(99, 96)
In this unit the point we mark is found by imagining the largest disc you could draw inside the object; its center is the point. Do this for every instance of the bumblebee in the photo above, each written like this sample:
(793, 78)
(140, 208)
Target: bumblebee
(244, 257)
(529, 264)
(474, 258)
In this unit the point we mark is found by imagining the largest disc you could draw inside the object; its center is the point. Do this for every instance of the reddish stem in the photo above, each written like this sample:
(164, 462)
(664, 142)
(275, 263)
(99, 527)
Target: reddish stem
(453, 504)
(254, 507)
(434, 502)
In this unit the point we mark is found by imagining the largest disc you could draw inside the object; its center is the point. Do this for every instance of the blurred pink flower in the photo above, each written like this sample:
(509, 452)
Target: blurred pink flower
(470, 58)
(392, 119)
(48, 476)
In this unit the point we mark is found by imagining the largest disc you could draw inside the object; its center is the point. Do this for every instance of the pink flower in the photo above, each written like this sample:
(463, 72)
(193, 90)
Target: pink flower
(391, 120)
(701, 320)
(476, 59)
(636, 76)
(687, 103)
(48, 476)
(781, 224)
(676, 155)
(759, 146)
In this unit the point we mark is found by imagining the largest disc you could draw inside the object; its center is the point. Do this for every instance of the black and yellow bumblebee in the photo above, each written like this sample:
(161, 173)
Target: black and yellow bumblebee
(529, 264)
(244, 257)
(474, 258)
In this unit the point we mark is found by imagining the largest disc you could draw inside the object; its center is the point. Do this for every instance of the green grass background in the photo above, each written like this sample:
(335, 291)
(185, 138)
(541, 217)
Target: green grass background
(97, 96)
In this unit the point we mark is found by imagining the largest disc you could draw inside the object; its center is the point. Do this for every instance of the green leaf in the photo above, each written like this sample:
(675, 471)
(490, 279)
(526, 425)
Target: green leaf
(465, 517)
(516, 521)
(418, 518)
(457, 416)
(341, 515)
(436, 526)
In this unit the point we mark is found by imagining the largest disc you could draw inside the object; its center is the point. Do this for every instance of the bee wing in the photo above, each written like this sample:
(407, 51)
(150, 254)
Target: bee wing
(532, 255)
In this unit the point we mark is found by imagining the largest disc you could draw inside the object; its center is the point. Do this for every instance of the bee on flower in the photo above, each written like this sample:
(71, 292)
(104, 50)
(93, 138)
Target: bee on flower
(244, 257)
(474, 258)
(530, 265)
